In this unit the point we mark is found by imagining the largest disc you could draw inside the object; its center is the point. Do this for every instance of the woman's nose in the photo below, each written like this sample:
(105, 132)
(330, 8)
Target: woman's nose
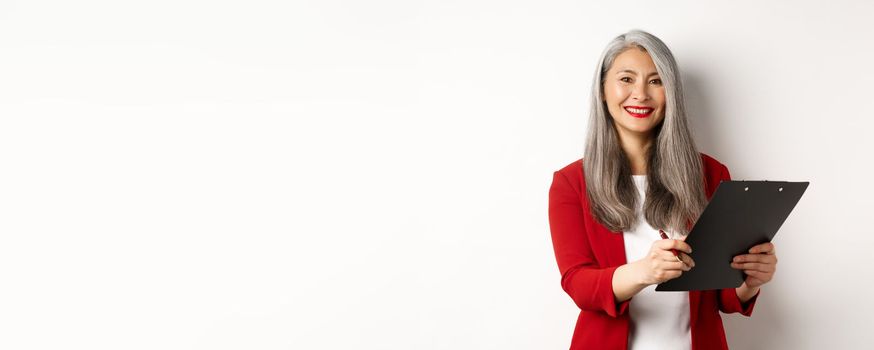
(639, 93)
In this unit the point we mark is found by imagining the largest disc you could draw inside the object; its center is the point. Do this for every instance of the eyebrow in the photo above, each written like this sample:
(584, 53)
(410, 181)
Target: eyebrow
(626, 70)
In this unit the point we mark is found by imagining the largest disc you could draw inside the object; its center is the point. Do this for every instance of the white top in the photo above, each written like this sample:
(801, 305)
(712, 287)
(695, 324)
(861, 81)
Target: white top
(659, 320)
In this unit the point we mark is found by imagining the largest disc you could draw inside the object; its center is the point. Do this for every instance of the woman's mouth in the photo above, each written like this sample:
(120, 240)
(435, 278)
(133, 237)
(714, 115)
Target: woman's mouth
(639, 112)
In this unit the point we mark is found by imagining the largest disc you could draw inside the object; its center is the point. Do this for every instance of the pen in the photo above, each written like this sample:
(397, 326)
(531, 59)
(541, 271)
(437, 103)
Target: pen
(664, 236)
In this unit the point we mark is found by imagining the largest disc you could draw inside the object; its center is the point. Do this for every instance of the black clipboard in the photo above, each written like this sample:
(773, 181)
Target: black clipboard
(740, 215)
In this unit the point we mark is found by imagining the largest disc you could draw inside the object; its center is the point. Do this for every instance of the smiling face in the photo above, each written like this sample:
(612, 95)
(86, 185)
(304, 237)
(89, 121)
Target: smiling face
(634, 94)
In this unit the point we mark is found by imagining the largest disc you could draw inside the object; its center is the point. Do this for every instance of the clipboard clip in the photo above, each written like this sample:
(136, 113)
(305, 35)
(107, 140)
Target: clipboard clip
(747, 188)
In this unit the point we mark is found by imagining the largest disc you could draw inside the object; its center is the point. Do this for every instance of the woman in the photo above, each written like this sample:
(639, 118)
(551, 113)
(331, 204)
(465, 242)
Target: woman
(641, 173)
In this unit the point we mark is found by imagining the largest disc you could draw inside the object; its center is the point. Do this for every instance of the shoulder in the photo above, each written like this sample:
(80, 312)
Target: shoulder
(574, 175)
(572, 171)
(713, 169)
(571, 174)
(575, 167)
(714, 173)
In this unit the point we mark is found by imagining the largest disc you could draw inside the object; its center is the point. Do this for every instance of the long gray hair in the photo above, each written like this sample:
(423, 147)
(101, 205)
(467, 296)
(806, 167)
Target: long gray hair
(675, 179)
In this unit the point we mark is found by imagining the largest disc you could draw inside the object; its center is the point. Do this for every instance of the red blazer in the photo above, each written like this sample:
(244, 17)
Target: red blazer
(588, 253)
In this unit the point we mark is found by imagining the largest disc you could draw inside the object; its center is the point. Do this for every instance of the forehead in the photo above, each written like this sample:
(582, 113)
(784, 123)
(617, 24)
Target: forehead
(633, 61)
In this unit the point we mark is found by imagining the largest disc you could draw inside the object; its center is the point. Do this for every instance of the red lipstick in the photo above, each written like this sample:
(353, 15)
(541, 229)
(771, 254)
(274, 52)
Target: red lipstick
(647, 113)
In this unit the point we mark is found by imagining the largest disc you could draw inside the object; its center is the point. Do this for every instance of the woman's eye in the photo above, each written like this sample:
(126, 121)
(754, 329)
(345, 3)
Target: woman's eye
(657, 81)
(625, 79)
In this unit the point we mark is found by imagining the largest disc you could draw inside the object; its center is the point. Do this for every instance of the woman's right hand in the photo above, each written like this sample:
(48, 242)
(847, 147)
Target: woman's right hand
(660, 265)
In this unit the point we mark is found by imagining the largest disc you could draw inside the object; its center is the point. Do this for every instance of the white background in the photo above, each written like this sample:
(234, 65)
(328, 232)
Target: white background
(374, 174)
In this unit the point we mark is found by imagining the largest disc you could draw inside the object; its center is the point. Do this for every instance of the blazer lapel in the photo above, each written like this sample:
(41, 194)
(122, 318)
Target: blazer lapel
(694, 300)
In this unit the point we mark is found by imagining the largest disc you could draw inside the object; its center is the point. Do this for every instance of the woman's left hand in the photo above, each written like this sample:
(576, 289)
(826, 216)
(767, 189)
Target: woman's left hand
(759, 265)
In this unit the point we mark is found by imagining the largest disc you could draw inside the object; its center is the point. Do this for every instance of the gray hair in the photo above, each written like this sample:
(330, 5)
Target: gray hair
(675, 177)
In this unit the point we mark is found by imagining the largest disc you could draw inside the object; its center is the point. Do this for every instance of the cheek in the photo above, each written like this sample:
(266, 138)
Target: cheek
(659, 96)
(615, 93)
(614, 96)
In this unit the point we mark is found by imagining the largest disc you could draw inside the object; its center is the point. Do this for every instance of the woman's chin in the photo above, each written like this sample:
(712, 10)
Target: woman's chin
(638, 129)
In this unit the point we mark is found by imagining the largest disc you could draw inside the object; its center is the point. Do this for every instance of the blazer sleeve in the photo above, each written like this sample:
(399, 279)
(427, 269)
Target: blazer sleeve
(590, 287)
(729, 302)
